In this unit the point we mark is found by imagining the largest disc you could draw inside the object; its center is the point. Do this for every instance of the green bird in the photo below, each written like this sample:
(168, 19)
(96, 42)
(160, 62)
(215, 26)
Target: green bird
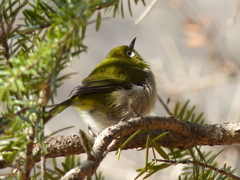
(120, 87)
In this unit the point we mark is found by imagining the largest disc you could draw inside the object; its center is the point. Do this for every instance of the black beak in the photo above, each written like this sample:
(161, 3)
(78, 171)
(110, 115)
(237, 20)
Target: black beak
(132, 44)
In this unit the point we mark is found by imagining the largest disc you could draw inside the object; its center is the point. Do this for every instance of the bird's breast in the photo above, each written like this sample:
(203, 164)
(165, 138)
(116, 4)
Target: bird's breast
(140, 98)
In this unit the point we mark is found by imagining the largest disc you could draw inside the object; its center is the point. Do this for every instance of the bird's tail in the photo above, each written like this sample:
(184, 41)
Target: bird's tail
(57, 109)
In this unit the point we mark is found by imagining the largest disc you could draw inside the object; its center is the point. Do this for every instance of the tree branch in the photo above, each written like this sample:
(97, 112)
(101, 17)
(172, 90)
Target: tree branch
(183, 135)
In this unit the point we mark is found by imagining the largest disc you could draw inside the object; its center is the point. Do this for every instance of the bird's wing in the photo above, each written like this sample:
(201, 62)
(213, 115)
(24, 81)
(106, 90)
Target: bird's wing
(105, 84)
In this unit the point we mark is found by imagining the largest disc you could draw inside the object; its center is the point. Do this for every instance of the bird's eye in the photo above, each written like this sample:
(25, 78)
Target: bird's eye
(130, 54)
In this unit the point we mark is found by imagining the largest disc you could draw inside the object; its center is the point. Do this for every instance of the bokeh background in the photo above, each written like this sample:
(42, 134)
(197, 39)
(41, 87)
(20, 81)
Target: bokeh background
(193, 48)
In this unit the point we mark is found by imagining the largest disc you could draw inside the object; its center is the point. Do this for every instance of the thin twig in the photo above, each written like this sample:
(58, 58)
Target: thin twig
(221, 171)
(146, 12)
(3, 39)
(43, 167)
(232, 19)
(29, 160)
(86, 145)
(165, 105)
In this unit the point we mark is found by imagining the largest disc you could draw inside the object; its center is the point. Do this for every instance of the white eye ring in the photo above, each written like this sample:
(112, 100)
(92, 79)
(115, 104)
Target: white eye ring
(130, 54)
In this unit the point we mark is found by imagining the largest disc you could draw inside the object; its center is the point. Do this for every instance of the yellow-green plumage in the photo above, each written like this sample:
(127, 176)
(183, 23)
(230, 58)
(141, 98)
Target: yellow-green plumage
(121, 81)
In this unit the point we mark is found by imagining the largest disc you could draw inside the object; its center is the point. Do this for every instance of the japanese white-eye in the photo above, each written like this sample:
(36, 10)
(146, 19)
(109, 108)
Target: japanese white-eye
(120, 87)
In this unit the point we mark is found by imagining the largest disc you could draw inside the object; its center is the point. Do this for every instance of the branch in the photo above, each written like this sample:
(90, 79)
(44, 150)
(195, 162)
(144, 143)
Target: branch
(183, 135)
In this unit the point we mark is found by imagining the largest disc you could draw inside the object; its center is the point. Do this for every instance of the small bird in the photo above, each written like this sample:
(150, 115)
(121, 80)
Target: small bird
(120, 87)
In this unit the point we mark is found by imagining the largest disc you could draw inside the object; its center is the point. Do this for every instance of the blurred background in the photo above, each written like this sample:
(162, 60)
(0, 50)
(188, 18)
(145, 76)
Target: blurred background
(193, 48)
